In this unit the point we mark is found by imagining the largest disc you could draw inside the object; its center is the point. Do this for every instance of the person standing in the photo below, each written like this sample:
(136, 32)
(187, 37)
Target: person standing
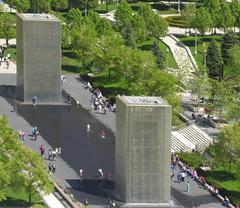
(42, 150)
(188, 187)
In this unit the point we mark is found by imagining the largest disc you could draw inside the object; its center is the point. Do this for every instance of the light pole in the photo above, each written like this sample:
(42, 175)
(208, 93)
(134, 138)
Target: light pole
(179, 9)
(195, 42)
(167, 58)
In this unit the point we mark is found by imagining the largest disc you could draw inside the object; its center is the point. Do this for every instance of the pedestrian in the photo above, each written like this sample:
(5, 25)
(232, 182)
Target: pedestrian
(69, 98)
(59, 151)
(42, 150)
(34, 100)
(81, 174)
(88, 127)
(86, 202)
(7, 63)
(226, 201)
(188, 187)
(49, 154)
(172, 174)
(100, 176)
(53, 167)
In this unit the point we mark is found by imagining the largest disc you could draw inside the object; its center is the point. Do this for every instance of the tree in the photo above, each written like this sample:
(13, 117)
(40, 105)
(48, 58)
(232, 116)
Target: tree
(214, 59)
(139, 28)
(228, 146)
(31, 173)
(188, 14)
(214, 8)
(7, 26)
(74, 17)
(227, 18)
(123, 16)
(155, 24)
(235, 8)
(86, 5)
(39, 6)
(19, 5)
(202, 21)
(161, 62)
(19, 166)
(234, 56)
(229, 40)
(85, 44)
(59, 4)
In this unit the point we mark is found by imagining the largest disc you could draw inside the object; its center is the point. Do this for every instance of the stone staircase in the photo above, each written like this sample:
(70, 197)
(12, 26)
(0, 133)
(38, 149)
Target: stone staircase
(189, 138)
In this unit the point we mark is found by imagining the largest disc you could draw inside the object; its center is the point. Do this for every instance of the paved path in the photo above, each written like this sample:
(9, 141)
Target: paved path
(6, 8)
(198, 196)
(65, 172)
(184, 63)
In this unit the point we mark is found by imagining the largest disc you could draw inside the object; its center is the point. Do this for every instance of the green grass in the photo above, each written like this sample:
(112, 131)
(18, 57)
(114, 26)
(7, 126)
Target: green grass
(227, 182)
(101, 8)
(147, 45)
(70, 63)
(160, 7)
(19, 198)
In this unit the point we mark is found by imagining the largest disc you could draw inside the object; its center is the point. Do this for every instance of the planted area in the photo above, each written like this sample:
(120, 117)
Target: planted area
(22, 171)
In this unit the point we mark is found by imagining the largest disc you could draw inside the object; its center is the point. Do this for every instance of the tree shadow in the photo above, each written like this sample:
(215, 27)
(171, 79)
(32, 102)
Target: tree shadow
(71, 68)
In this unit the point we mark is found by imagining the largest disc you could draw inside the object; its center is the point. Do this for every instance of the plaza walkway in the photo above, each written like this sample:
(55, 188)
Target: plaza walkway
(66, 172)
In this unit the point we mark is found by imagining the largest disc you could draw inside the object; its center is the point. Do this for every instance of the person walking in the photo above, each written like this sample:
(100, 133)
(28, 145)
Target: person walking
(42, 150)
(188, 187)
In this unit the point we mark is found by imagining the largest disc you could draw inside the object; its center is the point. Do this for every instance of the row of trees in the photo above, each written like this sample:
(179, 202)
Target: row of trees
(140, 26)
(39, 6)
(20, 166)
(218, 56)
(212, 14)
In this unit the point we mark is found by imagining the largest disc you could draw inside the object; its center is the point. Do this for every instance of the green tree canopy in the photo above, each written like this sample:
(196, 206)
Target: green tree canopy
(228, 146)
(214, 59)
(19, 5)
(161, 62)
(235, 8)
(19, 166)
(7, 26)
(156, 25)
(227, 18)
(39, 6)
(123, 16)
(202, 21)
(229, 40)
(188, 14)
(59, 4)
(214, 8)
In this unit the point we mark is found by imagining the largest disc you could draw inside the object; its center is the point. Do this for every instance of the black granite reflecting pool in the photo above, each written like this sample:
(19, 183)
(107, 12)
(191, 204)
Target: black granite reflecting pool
(66, 127)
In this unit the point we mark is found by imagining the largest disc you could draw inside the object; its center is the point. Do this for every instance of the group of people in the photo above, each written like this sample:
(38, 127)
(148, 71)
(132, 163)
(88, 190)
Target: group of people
(4, 58)
(98, 102)
(187, 171)
(35, 132)
(53, 154)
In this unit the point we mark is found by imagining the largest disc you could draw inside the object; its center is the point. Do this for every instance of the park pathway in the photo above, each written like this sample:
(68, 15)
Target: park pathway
(182, 56)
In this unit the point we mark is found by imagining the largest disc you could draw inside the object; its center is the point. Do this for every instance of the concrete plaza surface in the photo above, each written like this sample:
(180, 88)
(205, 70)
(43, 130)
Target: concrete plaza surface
(66, 127)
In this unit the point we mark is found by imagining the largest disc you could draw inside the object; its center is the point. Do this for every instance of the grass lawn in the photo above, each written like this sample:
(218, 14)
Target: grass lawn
(19, 198)
(70, 63)
(147, 45)
(101, 8)
(227, 182)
